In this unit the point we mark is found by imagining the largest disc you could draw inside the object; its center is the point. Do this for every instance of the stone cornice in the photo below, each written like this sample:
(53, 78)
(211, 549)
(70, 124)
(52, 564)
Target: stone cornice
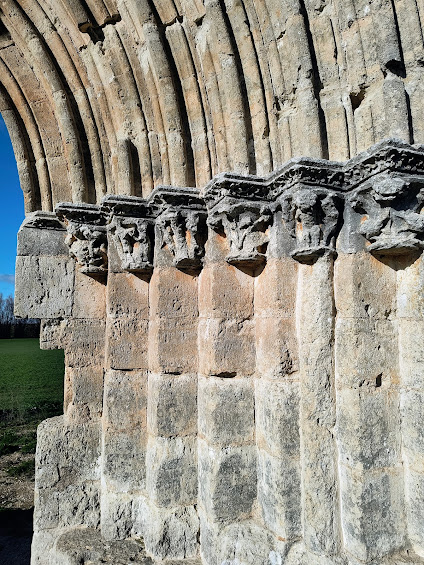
(384, 185)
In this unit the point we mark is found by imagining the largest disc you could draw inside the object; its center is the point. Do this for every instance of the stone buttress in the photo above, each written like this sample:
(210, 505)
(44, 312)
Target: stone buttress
(244, 379)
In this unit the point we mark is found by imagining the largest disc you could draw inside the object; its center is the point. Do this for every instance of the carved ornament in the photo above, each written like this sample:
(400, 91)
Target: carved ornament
(391, 206)
(86, 236)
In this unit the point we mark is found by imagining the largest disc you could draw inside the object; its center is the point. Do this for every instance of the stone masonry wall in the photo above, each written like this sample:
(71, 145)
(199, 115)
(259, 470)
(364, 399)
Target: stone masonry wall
(244, 374)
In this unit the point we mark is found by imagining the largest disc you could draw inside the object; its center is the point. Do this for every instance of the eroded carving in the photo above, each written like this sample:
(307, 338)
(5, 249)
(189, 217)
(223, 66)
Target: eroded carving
(392, 222)
(183, 232)
(86, 236)
(180, 225)
(245, 225)
(134, 243)
(312, 218)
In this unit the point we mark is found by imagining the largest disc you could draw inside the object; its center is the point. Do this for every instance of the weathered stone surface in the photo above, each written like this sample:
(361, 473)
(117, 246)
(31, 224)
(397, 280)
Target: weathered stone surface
(227, 481)
(255, 394)
(44, 287)
(172, 405)
(226, 408)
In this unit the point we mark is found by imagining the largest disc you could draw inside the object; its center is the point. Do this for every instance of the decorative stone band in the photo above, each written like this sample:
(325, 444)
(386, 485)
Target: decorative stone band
(384, 186)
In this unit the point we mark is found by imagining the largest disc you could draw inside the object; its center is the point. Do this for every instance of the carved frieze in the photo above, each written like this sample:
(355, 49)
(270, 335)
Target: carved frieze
(391, 206)
(241, 212)
(131, 226)
(312, 217)
(86, 236)
(181, 225)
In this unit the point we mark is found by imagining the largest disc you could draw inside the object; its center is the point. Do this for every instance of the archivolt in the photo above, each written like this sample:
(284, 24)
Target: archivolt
(118, 96)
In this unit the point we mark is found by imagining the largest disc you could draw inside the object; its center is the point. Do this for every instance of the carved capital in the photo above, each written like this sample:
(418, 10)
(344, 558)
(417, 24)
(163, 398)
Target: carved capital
(132, 228)
(391, 206)
(239, 209)
(312, 218)
(86, 236)
(181, 225)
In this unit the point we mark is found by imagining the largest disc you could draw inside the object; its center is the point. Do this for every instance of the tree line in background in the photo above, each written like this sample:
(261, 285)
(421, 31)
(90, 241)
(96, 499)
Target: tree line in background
(11, 327)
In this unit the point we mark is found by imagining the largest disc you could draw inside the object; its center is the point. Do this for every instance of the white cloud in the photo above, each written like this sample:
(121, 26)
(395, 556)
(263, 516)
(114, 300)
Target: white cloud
(10, 279)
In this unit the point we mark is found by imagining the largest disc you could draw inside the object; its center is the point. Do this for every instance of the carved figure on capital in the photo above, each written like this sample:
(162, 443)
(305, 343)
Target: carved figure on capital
(312, 218)
(392, 220)
(134, 242)
(183, 232)
(245, 225)
(88, 245)
(86, 236)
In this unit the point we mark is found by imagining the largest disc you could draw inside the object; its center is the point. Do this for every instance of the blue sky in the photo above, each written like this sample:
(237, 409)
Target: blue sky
(11, 213)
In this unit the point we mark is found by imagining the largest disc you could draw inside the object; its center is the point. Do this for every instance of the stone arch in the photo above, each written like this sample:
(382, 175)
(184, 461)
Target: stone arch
(119, 97)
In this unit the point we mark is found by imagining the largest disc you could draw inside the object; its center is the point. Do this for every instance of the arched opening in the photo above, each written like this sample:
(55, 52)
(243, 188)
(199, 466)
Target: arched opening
(31, 380)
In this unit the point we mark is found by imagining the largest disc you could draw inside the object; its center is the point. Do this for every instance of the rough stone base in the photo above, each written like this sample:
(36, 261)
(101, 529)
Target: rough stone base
(86, 547)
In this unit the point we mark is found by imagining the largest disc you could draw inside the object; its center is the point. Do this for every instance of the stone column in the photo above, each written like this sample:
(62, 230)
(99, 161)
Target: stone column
(311, 216)
(368, 377)
(277, 392)
(169, 520)
(124, 438)
(410, 310)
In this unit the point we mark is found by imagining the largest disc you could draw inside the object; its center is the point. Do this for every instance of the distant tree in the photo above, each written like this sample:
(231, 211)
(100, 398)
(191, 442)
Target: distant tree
(11, 327)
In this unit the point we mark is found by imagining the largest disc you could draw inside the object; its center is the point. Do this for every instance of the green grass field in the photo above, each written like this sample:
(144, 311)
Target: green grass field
(31, 390)
(31, 380)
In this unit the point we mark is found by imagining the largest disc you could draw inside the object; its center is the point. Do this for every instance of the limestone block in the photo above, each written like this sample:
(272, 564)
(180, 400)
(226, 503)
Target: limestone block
(373, 517)
(85, 545)
(84, 391)
(227, 347)
(227, 481)
(123, 460)
(46, 509)
(173, 345)
(62, 457)
(277, 417)
(365, 287)
(80, 505)
(225, 292)
(275, 289)
(411, 338)
(368, 427)
(410, 296)
(51, 334)
(127, 343)
(127, 295)
(84, 343)
(171, 471)
(172, 405)
(125, 400)
(319, 485)
(89, 298)
(412, 416)
(33, 241)
(246, 543)
(374, 342)
(279, 492)
(170, 533)
(276, 347)
(44, 287)
(414, 486)
(172, 294)
(227, 410)
(116, 515)
(42, 544)
(209, 539)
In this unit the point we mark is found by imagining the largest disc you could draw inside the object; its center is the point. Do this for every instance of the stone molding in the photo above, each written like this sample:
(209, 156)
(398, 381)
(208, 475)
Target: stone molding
(384, 185)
